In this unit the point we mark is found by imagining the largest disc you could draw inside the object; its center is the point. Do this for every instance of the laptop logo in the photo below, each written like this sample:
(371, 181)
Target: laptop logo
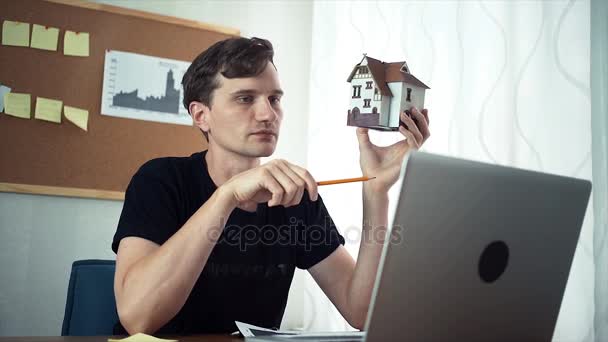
(493, 261)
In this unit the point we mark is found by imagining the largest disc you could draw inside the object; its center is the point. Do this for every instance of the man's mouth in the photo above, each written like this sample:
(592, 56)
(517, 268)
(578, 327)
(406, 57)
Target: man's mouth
(265, 132)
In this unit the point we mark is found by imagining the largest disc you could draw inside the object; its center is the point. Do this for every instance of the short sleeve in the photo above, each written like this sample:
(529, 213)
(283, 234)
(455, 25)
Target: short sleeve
(150, 207)
(318, 236)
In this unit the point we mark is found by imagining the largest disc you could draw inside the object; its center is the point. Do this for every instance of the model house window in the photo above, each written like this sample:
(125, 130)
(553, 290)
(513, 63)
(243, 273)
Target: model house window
(366, 103)
(375, 110)
(363, 70)
(356, 91)
(409, 94)
(368, 85)
(377, 95)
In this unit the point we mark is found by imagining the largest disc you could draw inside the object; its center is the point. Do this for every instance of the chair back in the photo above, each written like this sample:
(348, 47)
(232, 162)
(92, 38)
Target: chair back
(90, 307)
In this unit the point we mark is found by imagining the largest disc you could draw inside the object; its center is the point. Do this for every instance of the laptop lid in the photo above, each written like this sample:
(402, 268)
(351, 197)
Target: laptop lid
(476, 252)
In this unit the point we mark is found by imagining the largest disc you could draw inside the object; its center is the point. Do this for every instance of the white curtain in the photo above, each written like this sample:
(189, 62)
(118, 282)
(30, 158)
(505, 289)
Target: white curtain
(509, 85)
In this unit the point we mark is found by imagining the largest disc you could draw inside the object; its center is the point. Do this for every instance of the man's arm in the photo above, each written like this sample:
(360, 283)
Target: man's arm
(152, 282)
(347, 285)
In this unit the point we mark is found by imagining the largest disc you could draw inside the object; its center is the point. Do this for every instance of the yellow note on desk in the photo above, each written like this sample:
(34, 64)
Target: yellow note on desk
(76, 44)
(17, 105)
(77, 116)
(141, 338)
(44, 37)
(48, 109)
(15, 33)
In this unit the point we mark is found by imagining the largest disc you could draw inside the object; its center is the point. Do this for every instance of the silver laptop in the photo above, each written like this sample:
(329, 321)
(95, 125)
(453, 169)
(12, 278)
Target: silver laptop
(477, 252)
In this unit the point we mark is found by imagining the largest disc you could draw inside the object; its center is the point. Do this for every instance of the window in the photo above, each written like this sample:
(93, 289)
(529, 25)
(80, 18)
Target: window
(368, 85)
(363, 70)
(366, 103)
(375, 110)
(377, 95)
(356, 91)
(409, 94)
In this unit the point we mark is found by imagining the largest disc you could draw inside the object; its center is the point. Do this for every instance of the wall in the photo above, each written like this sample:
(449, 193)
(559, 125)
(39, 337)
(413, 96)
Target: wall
(40, 236)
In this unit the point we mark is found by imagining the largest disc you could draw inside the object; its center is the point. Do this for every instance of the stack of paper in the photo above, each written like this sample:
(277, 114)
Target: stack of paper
(259, 334)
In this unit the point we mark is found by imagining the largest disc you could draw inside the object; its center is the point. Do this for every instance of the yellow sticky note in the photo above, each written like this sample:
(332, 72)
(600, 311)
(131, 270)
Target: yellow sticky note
(141, 338)
(77, 116)
(17, 105)
(76, 44)
(44, 37)
(48, 109)
(15, 33)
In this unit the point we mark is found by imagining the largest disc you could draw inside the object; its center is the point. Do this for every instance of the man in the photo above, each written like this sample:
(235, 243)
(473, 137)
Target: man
(212, 238)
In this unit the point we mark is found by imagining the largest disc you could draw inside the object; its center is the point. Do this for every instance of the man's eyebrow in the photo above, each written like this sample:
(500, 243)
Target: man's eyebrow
(254, 92)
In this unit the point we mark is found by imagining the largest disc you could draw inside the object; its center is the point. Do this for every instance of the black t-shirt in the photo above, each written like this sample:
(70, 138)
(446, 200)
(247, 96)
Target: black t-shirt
(249, 271)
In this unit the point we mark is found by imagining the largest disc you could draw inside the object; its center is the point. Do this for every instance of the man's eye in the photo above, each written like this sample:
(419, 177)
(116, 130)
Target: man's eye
(244, 99)
(275, 99)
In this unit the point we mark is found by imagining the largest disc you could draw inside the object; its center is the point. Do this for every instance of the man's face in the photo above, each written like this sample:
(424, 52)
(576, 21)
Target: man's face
(246, 114)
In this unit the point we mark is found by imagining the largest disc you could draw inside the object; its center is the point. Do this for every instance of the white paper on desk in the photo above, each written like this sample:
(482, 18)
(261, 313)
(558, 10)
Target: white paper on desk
(250, 330)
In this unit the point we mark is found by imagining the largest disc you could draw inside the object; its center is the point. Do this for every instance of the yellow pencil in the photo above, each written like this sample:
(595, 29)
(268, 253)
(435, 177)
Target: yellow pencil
(345, 180)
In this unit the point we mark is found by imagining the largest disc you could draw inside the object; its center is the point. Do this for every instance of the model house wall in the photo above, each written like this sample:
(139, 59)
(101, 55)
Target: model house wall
(398, 104)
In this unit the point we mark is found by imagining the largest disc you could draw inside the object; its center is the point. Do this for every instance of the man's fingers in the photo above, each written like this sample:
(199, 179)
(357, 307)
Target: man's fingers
(290, 189)
(311, 183)
(425, 112)
(421, 124)
(411, 126)
(363, 136)
(296, 179)
(270, 183)
(410, 138)
(290, 182)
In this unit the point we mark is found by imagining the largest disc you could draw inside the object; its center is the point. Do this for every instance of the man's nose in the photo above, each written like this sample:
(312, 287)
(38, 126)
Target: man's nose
(264, 111)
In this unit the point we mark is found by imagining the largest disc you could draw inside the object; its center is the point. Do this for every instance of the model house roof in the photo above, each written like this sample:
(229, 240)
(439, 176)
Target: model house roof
(384, 73)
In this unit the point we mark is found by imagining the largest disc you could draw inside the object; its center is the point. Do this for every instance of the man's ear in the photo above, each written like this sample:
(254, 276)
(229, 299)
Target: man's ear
(200, 113)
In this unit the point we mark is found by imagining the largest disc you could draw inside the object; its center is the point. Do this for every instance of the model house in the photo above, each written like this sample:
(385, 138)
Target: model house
(380, 91)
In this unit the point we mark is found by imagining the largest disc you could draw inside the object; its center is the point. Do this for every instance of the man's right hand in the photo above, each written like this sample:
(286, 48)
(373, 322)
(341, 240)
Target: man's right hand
(277, 182)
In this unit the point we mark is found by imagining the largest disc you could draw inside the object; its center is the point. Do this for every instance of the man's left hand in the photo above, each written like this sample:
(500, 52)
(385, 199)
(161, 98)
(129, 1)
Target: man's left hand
(384, 163)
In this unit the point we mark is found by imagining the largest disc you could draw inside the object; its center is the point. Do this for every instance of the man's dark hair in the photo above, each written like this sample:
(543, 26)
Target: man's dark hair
(233, 58)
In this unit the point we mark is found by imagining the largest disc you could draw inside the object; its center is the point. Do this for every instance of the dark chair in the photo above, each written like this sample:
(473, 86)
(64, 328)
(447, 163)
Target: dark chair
(90, 308)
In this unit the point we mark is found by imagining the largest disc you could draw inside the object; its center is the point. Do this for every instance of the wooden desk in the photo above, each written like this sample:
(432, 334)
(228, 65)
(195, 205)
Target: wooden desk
(200, 338)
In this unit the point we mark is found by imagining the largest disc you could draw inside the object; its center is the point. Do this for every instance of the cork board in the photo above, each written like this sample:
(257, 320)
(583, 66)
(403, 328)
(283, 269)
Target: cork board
(41, 157)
